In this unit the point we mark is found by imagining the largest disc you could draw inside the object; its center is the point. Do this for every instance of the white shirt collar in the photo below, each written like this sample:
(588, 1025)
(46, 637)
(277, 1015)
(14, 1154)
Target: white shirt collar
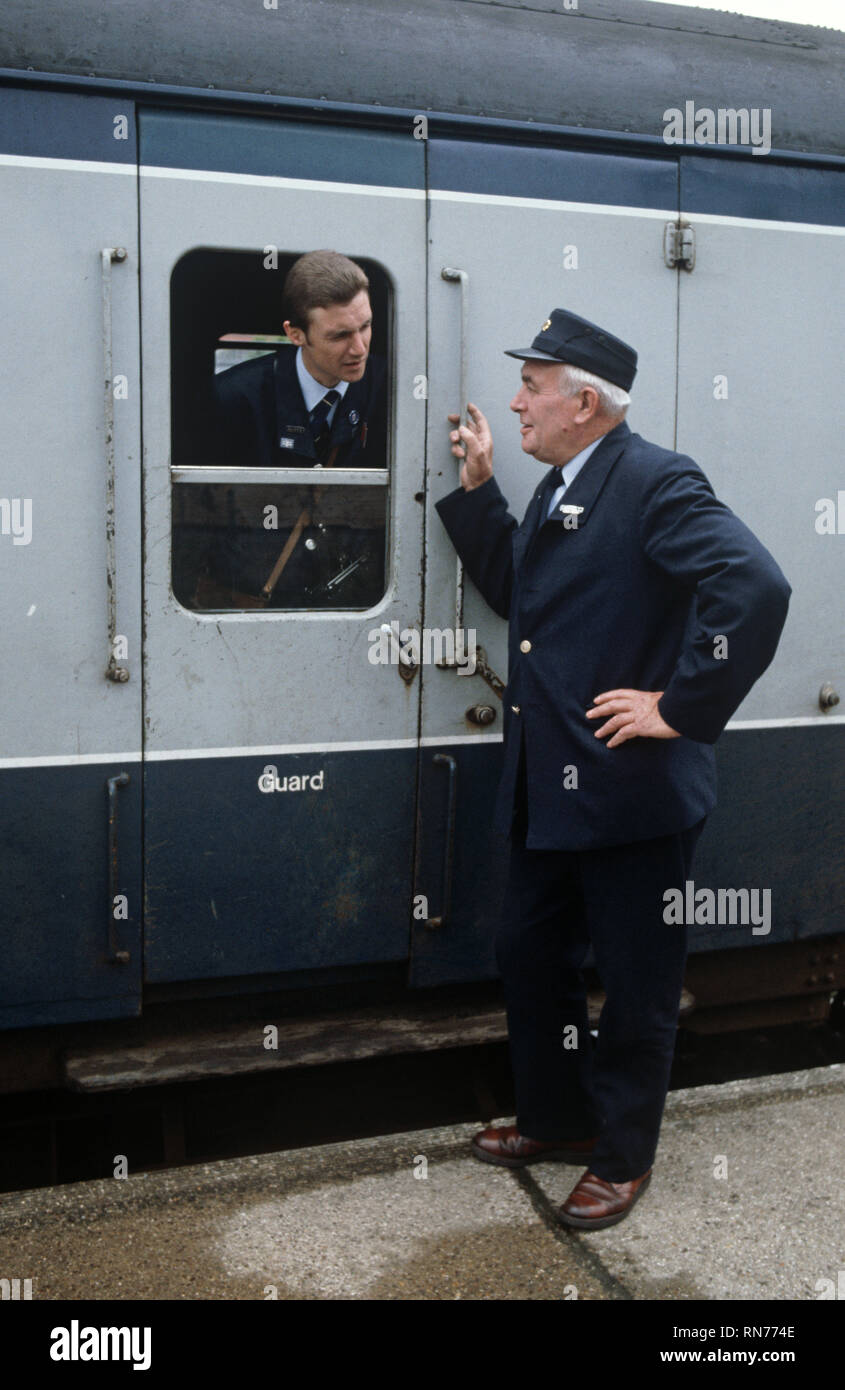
(570, 471)
(313, 391)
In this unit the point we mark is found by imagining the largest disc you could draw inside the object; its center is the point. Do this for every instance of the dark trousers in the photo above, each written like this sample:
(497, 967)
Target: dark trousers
(557, 903)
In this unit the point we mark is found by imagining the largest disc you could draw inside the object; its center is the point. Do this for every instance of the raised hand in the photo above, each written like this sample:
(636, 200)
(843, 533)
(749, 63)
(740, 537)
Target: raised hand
(474, 444)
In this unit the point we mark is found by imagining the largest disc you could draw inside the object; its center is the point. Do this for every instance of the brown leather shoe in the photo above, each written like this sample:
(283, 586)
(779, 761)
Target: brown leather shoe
(513, 1150)
(594, 1203)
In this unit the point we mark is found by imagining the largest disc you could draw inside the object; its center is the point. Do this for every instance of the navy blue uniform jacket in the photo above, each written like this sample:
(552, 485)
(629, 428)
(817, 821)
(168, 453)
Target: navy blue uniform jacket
(634, 597)
(261, 419)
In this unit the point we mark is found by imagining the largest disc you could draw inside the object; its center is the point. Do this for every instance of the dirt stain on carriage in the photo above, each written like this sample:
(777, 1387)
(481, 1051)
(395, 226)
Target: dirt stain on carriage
(345, 906)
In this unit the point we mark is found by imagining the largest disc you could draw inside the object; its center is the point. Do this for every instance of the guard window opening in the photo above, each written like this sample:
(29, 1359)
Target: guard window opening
(269, 511)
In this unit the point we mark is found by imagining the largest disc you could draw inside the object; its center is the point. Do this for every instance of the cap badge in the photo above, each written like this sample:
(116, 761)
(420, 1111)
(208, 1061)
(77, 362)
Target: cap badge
(546, 325)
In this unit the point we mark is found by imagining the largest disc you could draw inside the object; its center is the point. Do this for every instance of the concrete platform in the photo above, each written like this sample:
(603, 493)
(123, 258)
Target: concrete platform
(352, 1221)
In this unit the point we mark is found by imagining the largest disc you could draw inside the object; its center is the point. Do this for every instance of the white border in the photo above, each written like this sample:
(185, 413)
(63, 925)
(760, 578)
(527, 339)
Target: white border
(444, 195)
(718, 219)
(281, 750)
(373, 190)
(83, 166)
(72, 759)
(620, 210)
(155, 171)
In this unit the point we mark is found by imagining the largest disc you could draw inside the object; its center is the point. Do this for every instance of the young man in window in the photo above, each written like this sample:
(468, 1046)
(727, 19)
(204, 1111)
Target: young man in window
(321, 399)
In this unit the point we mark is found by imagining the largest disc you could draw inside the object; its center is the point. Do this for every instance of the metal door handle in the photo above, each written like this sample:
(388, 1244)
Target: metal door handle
(119, 674)
(449, 850)
(114, 955)
(460, 277)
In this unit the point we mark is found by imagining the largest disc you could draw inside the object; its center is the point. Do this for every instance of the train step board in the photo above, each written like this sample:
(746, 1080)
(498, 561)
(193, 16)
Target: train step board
(302, 1042)
(260, 1047)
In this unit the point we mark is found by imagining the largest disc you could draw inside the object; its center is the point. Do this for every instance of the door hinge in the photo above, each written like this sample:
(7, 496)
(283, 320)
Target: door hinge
(679, 245)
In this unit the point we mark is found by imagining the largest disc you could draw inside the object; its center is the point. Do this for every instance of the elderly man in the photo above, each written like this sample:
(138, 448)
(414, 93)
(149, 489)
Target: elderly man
(641, 612)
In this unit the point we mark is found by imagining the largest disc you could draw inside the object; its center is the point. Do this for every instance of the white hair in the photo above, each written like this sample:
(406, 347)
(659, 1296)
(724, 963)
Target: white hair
(613, 400)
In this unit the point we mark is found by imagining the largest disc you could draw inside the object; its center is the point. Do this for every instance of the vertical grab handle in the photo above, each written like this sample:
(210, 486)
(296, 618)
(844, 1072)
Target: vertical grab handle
(460, 277)
(449, 851)
(114, 955)
(113, 672)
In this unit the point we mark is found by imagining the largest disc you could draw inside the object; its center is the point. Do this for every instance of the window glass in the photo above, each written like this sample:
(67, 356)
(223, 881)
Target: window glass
(248, 546)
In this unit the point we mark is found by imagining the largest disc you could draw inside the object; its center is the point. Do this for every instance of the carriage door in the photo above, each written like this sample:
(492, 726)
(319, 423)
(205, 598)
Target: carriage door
(517, 232)
(280, 725)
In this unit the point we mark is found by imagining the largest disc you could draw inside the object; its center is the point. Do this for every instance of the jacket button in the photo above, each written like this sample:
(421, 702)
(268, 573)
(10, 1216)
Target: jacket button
(525, 646)
(515, 709)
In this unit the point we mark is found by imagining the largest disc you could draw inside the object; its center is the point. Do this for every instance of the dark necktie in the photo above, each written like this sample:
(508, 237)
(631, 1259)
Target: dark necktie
(318, 421)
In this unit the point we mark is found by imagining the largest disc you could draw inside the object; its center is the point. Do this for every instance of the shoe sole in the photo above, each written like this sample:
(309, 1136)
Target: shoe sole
(598, 1223)
(553, 1156)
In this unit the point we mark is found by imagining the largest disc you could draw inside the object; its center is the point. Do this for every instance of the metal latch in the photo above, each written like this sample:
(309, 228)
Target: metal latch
(679, 245)
(486, 672)
(482, 669)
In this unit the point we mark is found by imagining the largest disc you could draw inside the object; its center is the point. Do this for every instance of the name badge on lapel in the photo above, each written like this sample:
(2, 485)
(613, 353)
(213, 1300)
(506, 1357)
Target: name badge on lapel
(571, 514)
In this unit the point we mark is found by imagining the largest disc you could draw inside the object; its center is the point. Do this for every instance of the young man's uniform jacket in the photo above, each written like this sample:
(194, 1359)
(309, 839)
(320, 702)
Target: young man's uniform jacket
(635, 597)
(261, 419)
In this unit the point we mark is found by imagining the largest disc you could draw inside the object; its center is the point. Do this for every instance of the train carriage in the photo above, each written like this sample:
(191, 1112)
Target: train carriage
(201, 797)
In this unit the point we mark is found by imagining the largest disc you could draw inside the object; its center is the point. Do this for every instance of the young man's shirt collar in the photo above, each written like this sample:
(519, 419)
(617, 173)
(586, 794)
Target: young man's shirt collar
(313, 391)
